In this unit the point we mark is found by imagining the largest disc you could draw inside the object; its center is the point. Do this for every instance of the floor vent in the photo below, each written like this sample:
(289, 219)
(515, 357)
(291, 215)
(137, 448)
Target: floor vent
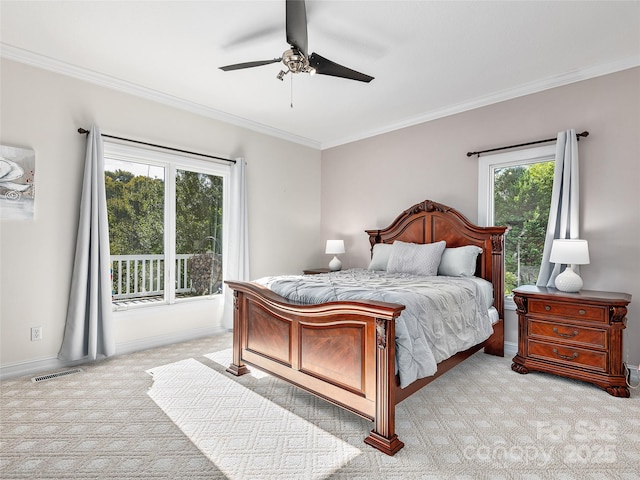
(51, 376)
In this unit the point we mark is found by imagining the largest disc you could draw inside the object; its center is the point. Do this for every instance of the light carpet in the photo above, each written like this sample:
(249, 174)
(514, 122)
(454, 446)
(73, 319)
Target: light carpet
(242, 433)
(478, 421)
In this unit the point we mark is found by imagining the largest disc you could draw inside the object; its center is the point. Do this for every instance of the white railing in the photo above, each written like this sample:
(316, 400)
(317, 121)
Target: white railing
(142, 276)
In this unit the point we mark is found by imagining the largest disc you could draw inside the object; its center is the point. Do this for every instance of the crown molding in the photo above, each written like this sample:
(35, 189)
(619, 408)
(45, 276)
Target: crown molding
(47, 63)
(509, 94)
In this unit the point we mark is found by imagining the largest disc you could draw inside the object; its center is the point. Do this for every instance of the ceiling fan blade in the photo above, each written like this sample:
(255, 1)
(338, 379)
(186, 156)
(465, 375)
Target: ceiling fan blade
(324, 66)
(259, 63)
(296, 13)
(264, 34)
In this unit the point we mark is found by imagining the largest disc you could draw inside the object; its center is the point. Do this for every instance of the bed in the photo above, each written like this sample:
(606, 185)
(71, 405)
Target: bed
(345, 351)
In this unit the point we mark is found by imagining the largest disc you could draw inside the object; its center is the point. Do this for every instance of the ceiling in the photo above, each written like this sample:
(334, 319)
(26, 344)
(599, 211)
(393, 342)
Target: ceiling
(429, 58)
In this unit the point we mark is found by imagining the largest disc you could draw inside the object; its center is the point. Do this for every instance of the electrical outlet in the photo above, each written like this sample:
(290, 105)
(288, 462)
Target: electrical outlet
(36, 333)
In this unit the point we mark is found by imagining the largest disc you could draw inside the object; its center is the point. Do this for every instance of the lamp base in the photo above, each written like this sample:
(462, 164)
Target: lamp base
(335, 264)
(569, 281)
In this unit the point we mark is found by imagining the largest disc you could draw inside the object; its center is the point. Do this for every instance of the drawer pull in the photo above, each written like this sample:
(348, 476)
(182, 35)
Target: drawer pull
(566, 357)
(547, 308)
(582, 312)
(565, 335)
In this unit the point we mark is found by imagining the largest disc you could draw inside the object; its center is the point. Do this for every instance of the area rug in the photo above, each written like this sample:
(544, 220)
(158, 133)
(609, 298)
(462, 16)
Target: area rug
(241, 432)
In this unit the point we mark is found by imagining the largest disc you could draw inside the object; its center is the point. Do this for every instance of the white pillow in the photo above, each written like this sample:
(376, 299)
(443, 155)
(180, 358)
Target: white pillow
(380, 258)
(416, 258)
(459, 261)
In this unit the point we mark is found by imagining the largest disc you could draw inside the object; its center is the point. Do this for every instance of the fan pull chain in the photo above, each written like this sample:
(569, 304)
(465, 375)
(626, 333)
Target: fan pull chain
(291, 91)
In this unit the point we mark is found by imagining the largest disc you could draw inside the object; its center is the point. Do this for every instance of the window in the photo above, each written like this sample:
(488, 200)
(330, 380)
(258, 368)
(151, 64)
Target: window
(166, 225)
(514, 190)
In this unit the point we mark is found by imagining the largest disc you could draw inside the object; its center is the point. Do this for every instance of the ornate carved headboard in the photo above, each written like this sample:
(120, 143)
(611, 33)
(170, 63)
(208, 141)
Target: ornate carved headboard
(429, 222)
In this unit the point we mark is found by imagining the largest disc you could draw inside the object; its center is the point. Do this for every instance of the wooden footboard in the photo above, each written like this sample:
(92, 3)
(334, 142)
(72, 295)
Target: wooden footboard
(343, 352)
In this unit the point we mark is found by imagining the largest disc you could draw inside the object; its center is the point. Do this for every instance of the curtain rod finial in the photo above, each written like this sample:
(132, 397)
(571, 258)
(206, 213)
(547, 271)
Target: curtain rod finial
(82, 130)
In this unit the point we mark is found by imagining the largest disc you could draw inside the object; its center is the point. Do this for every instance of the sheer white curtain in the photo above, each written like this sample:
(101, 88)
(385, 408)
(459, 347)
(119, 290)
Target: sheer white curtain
(238, 248)
(88, 331)
(565, 197)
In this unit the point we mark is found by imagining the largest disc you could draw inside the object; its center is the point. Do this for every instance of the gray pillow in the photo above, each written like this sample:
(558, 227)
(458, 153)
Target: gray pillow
(459, 261)
(414, 258)
(380, 258)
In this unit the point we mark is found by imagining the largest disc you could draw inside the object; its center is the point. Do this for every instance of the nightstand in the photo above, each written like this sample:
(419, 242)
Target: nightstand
(315, 271)
(575, 335)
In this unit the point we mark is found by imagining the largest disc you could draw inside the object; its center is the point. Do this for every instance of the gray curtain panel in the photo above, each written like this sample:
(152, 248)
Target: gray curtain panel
(89, 331)
(565, 202)
(238, 247)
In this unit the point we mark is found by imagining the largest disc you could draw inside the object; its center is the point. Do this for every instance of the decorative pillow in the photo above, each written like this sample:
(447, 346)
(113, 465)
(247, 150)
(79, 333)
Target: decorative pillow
(416, 258)
(380, 258)
(459, 261)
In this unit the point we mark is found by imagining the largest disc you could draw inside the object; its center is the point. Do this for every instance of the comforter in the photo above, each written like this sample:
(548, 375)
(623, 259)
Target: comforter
(442, 316)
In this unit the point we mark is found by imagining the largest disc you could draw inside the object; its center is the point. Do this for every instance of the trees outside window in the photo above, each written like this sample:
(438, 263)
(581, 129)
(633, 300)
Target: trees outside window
(199, 230)
(166, 225)
(514, 190)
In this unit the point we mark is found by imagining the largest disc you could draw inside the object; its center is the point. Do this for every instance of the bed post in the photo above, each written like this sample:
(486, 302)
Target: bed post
(237, 366)
(383, 436)
(497, 268)
(495, 344)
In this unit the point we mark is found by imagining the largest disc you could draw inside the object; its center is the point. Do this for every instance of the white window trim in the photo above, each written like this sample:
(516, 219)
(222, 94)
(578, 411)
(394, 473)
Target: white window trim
(486, 167)
(171, 162)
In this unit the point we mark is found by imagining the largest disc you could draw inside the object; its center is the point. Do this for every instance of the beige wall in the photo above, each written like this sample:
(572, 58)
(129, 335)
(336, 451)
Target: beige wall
(366, 184)
(357, 186)
(42, 110)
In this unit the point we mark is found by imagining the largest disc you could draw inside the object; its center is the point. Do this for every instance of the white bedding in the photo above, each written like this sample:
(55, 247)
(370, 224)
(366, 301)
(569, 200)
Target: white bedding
(443, 315)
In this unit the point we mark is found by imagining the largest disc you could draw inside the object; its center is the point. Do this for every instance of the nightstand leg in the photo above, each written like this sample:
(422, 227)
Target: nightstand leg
(618, 391)
(516, 367)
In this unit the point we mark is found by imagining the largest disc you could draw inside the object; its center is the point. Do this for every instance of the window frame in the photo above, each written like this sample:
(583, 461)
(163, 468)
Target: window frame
(486, 173)
(172, 162)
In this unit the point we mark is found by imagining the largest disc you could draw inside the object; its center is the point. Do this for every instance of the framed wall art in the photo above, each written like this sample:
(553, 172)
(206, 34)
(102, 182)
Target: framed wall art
(17, 188)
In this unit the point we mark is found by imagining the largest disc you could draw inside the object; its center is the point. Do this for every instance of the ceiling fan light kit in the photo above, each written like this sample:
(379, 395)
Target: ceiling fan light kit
(296, 62)
(296, 58)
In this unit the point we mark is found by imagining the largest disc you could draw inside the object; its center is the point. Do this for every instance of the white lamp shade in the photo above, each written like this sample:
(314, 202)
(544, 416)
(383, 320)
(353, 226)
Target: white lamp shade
(335, 247)
(570, 252)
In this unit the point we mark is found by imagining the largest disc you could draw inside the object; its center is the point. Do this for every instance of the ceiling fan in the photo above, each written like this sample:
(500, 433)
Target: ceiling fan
(296, 58)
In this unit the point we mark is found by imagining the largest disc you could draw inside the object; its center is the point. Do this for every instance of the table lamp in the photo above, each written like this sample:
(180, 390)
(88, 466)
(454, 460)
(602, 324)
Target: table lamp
(335, 247)
(570, 252)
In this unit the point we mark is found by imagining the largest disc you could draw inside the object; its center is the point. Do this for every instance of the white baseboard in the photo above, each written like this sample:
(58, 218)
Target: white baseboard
(162, 340)
(635, 374)
(35, 367)
(510, 349)
(40, 366)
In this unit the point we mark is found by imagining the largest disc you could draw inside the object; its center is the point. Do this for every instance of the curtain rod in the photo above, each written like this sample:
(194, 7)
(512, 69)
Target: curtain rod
(85, 131)
(578, 135)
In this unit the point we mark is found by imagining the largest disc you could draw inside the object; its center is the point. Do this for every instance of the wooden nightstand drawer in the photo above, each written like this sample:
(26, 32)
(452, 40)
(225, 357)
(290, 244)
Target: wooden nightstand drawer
(595, 360)
(568, 310)
(586, 337)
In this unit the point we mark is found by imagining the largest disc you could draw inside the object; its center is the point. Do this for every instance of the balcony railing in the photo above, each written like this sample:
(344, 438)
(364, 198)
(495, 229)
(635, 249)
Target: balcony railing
(141, 277)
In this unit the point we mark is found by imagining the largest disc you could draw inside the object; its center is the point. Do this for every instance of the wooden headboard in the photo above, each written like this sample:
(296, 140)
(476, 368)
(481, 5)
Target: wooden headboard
(429, 222)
